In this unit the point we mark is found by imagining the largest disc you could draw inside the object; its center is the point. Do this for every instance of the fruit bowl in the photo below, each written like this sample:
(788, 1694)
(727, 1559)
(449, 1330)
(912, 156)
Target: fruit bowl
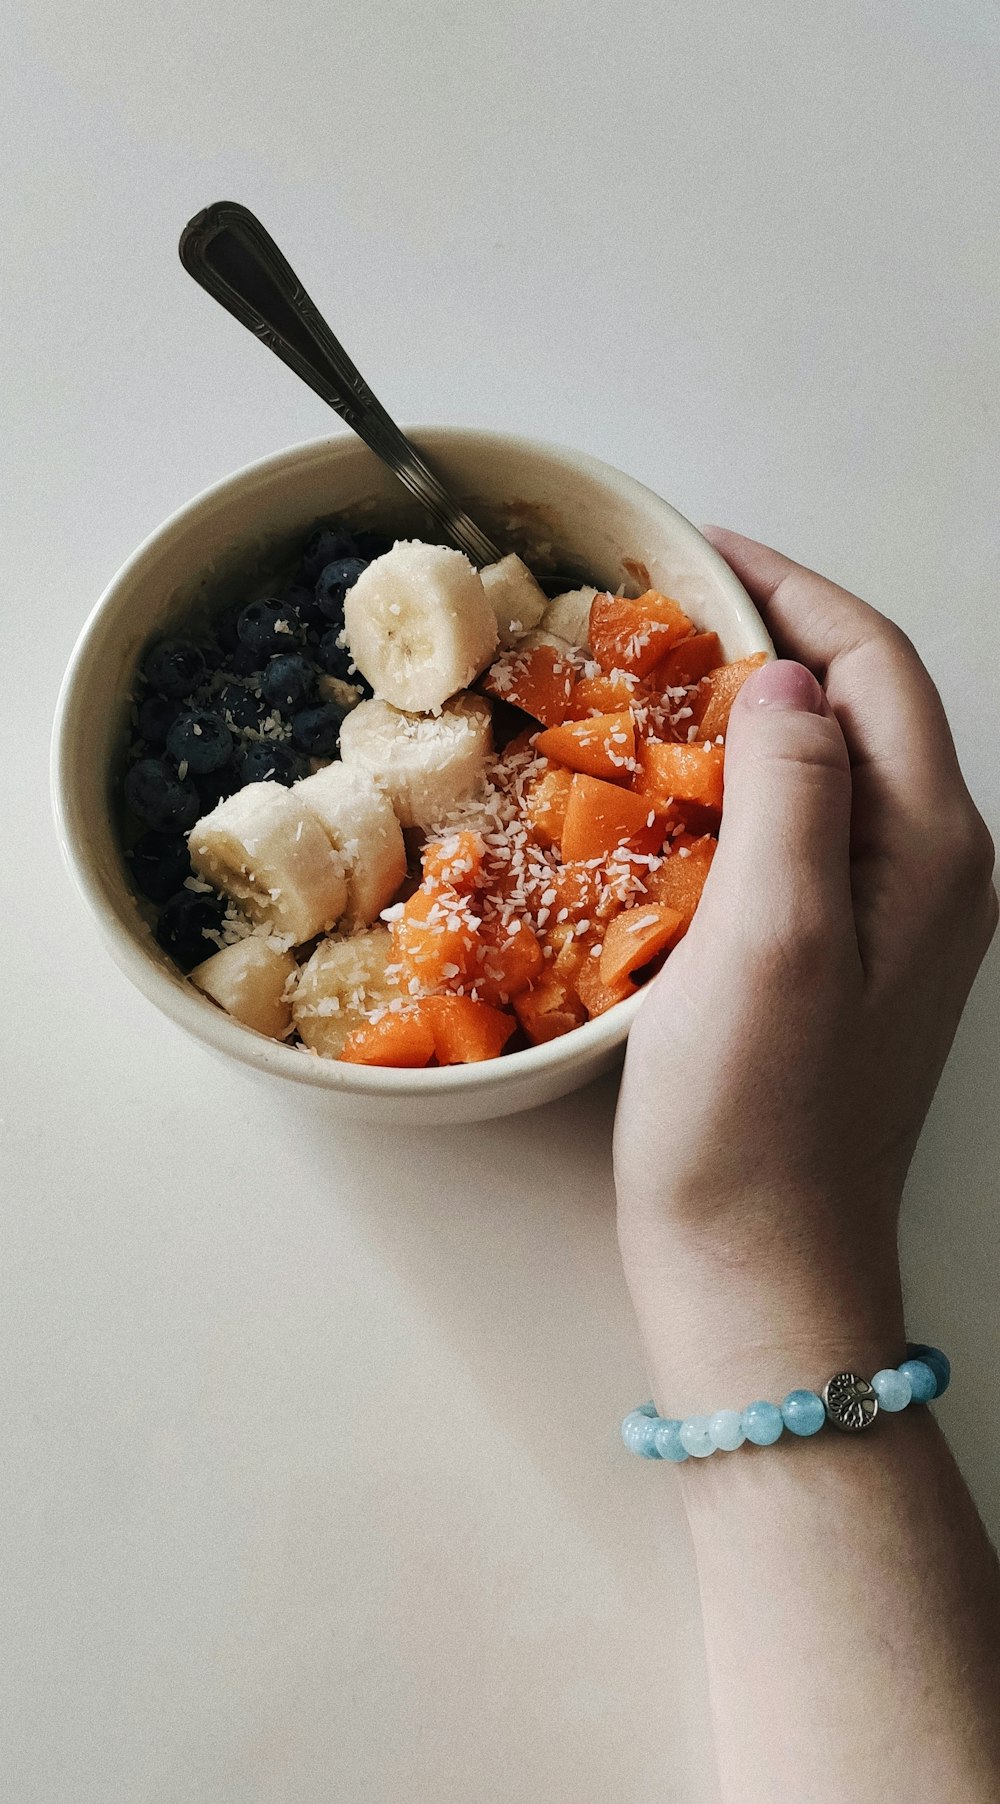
(561, 509)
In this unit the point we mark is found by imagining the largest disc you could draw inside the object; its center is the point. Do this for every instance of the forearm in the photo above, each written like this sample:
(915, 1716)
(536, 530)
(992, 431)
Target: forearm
(852, 1618)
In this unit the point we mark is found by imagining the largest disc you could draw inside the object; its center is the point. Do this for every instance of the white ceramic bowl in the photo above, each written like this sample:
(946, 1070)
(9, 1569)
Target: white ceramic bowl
(553, 504)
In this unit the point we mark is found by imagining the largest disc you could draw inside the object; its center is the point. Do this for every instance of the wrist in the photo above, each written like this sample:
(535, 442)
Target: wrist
(719, 1333)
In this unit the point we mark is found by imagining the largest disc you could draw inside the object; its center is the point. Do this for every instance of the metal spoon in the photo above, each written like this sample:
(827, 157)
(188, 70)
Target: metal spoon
(227, 250)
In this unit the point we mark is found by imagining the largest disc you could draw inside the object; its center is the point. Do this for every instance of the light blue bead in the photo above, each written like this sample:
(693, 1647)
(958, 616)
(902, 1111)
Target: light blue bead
(726, 1430)
(762, 1423)
(638, 1431)
(922, 1380)
(667, 1441)
(803, 1412)
(939, 1363)
(695, 1438)
(646, 1409)
(893, 1389)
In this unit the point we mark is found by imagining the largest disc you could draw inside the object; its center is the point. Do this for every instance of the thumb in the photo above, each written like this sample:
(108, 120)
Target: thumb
(784, 849)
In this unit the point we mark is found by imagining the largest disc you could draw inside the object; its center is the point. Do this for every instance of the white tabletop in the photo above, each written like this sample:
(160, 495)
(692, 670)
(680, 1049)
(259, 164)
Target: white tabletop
(311, 1476)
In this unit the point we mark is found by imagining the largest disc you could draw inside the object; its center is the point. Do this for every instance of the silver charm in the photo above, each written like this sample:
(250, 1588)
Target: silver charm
(851, 1403)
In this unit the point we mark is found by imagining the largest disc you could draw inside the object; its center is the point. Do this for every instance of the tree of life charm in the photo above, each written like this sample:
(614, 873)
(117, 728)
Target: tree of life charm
(851, 1403)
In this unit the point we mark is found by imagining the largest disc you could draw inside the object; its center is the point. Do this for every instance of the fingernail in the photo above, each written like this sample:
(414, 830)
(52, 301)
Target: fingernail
(787, 685)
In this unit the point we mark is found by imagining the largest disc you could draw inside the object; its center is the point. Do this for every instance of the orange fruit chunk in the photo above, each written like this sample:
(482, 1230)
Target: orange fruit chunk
(635, 937)
(635, 634)
(577, 888)
(507, 958)
(688, 662)
(717, 693)
(456, 860)
(539, 681)
(545, 799)
(680, 879)
(681, 773)
(606, 694)
(434, 941)
(465, 1032)
(549, 1009)
(600, 817)
(401, 1037)
(596, 995)
(603, 746)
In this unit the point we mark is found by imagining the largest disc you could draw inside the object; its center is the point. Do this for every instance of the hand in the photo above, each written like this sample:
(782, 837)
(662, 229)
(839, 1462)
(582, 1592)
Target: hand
(783, 1061)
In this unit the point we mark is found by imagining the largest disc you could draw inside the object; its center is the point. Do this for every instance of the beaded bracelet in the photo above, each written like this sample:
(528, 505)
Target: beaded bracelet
(849, 1402)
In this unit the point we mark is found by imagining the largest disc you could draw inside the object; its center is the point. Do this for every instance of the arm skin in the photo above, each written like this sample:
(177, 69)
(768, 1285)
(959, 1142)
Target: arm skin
(777, 1079)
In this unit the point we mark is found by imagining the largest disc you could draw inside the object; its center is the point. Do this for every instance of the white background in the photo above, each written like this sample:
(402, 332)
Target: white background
(311, 1483)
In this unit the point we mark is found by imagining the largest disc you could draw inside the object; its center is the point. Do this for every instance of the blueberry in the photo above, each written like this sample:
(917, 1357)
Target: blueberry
(261, 761)
(156, 716)
(217, 785)
(200, 739)
(160, 798)
(301, 598)
(371, 545)
(159, 865)
(267, 626)
(336, 660)
(245, 663)
(184, 926)
(242, 708)
(227, 626)
(174, 667)
(333, 583)
(317, 730)
(288, 680)
(334, 657)
(320, 549)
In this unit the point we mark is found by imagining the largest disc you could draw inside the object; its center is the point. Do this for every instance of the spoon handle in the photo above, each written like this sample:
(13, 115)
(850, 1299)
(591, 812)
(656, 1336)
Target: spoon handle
(227, 250)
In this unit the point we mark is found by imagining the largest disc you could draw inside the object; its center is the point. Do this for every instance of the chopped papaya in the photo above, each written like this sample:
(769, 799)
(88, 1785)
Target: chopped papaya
(717, 693)
(549, 1009)
(688, 662)
(545, 798)
(601, 817)
(521, 743)
(401, 1037)
(575, 889)
(435, 938)
(635, 937)
(568, 948)
(596, 995)
(508, 957)
(606, 694)
(466, 1032)
(603, 746)
(539, 681)
(456, 860)
(680, 773)
(680, 879)
(635, 634)
(696, 820)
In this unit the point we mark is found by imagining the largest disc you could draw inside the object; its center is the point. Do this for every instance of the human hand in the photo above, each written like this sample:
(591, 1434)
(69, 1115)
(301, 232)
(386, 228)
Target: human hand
(783, 1061)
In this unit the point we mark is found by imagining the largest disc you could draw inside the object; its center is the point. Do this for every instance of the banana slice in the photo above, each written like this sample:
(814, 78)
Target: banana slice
(424, 763)
(249, 980)
(569, 616)
(540, 636)
(360, 821)
(515, 597)
(341, 983)
(419, 625)
(267, 851)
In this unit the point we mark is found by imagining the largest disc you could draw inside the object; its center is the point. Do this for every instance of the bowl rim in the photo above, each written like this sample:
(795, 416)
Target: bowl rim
(178, 999)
